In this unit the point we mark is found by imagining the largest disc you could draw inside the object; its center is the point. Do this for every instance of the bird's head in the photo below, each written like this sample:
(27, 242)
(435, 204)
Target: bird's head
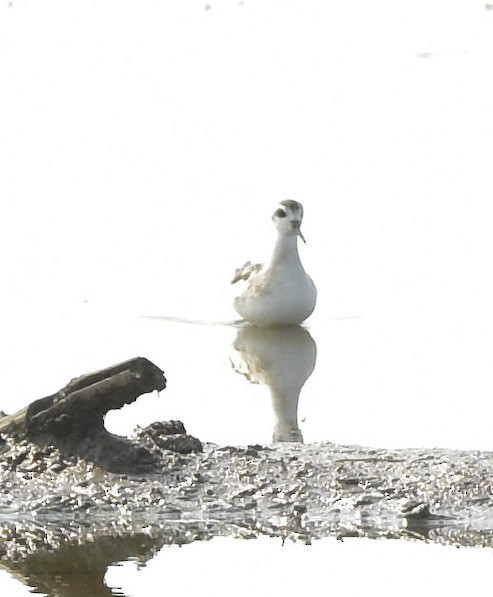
(288, 217)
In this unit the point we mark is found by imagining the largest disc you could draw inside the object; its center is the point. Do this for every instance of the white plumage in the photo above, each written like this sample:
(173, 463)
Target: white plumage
(280, 292)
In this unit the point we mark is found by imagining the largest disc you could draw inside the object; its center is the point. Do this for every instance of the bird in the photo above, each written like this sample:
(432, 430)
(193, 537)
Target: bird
(280, 292)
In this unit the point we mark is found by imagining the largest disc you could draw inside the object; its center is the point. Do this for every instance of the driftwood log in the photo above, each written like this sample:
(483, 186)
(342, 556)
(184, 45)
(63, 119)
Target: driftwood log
(73, 419)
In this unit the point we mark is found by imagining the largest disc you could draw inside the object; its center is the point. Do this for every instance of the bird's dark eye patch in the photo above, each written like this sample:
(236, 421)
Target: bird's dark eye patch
(280, 213)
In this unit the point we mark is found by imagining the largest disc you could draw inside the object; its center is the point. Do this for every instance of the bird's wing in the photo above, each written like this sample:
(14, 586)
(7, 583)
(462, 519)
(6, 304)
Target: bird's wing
(245, 271)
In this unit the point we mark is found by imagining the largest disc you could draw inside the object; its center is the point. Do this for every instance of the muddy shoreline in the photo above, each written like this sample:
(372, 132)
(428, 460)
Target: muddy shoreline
(60, 509)
(297, 491)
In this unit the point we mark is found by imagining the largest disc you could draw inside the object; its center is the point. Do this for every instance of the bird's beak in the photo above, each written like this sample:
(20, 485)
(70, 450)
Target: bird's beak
(296, 228)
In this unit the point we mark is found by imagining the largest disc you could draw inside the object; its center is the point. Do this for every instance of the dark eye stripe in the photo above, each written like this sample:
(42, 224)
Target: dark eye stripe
(280, 213)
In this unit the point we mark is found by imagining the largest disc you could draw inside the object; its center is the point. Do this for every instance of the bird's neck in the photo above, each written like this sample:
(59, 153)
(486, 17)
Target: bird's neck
(285, 249)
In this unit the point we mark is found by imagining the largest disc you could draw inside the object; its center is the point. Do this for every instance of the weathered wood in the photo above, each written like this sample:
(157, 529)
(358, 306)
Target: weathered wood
(72, 419)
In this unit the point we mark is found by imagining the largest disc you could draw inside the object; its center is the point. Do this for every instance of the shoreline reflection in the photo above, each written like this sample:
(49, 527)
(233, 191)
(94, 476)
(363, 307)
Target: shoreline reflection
(282, 358)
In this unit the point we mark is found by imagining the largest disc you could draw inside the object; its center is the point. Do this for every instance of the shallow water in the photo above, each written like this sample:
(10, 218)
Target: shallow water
(235, 385)
(419, 382)
(141, 167)
(268, 565)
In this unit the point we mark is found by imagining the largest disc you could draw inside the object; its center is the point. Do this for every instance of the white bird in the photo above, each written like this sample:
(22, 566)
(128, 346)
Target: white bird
(280, 292)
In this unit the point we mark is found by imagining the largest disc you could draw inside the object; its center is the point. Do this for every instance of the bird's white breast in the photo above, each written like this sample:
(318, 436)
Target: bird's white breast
(284, 295)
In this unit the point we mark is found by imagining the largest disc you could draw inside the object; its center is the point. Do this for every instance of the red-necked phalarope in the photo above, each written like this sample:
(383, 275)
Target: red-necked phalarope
(280, 293)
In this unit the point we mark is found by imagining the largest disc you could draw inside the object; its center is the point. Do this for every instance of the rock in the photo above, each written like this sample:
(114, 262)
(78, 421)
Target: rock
(72, 419)
(169, 435)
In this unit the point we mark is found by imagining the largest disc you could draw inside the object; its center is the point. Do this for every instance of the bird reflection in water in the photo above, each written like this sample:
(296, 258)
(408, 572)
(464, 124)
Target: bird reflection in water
(282, 358)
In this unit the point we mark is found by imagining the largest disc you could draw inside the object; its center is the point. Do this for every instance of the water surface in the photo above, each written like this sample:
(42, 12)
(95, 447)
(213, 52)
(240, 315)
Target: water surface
(144, 150)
